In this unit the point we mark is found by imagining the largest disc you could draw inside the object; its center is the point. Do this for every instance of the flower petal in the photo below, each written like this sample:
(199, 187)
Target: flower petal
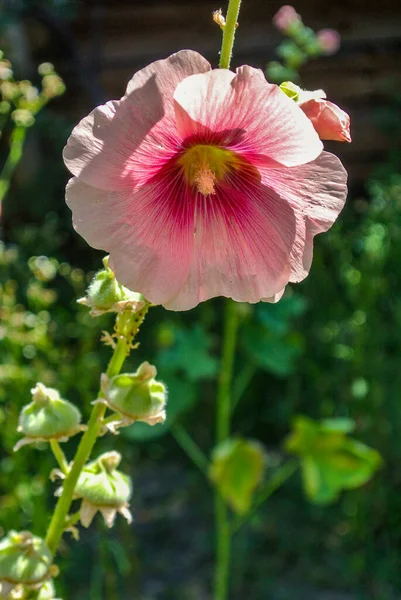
(148, 233)
(243, 239)
(317, 192)
(122, 143)
(251, 116)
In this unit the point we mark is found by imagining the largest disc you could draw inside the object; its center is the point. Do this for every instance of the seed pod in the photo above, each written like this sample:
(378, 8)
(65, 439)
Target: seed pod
(136, 396)
(104, 489)
(48, 417)
(24, 559)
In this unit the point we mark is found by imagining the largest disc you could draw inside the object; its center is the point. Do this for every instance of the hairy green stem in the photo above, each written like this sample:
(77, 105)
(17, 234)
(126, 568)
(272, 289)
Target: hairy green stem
(229, 34)
(223, 422)
(13, 158)
(58, 521)
(191, 449)
(60, 456)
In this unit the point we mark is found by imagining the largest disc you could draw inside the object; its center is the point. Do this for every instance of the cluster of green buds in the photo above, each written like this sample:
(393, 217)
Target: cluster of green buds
(48, 417)
(21, 99)
(134, 397)
(301, 44)
(26, 568)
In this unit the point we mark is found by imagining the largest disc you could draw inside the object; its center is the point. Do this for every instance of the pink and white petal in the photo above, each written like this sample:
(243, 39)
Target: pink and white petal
(317, 192)
(275, 298)
(244, 112)
(168, 73)
(243, 239)
(149, 234)
(123, 143)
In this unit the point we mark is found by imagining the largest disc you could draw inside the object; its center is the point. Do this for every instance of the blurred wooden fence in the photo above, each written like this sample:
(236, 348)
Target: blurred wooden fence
(108, 40)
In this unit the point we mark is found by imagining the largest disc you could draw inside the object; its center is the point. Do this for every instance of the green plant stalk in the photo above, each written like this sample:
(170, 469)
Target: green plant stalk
(223, 416)
(223, 422)
(59, 455)
(58, 521)
(14, 156)
(190, 448)
(229, 34)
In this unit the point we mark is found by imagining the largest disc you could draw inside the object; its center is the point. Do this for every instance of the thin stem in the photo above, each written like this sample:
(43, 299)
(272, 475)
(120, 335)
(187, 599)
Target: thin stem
(241, 382)
(13, 158)
(275, 482)
(190, 448)
(60, 456)
(111, 419)
(223, 422)
(223, 414)
(229, 34)
(58, 522)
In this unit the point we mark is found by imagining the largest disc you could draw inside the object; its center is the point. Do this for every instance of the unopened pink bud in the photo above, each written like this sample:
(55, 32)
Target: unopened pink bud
(329, 40)
(328, 119)
(286, 17)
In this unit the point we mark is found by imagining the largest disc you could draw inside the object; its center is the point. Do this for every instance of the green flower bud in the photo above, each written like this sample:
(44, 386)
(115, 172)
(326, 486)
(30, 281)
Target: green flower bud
(24, 559)
(104, 489)
(48, 417)
(299, 95)
(291, 90)
(23, 117)
(105, 294)
(137, 396)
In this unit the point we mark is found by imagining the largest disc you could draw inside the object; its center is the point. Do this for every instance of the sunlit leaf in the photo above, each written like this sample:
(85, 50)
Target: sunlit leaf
(236, 470)
(189, 354)
(331, 462)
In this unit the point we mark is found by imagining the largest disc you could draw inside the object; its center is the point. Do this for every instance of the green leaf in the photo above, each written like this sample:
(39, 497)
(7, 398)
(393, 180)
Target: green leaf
(236, 470)
(331, 462)
(267, 337)
(279, 317)
(181, 397)
(274, 353)
(189, 354)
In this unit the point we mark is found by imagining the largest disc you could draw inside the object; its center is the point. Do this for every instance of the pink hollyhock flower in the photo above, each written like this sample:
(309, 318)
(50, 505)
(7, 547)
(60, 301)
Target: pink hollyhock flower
(202, 183)
(328, 119)
(329, 40)
(285, 17)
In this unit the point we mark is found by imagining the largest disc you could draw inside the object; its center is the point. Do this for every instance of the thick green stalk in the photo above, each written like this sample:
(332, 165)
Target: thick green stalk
(223, 422)
(229, 34)
(14, 156)
(58, 522)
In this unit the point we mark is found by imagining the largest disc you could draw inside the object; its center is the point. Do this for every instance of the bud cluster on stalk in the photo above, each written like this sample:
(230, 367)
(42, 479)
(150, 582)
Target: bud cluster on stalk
(301, 45)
